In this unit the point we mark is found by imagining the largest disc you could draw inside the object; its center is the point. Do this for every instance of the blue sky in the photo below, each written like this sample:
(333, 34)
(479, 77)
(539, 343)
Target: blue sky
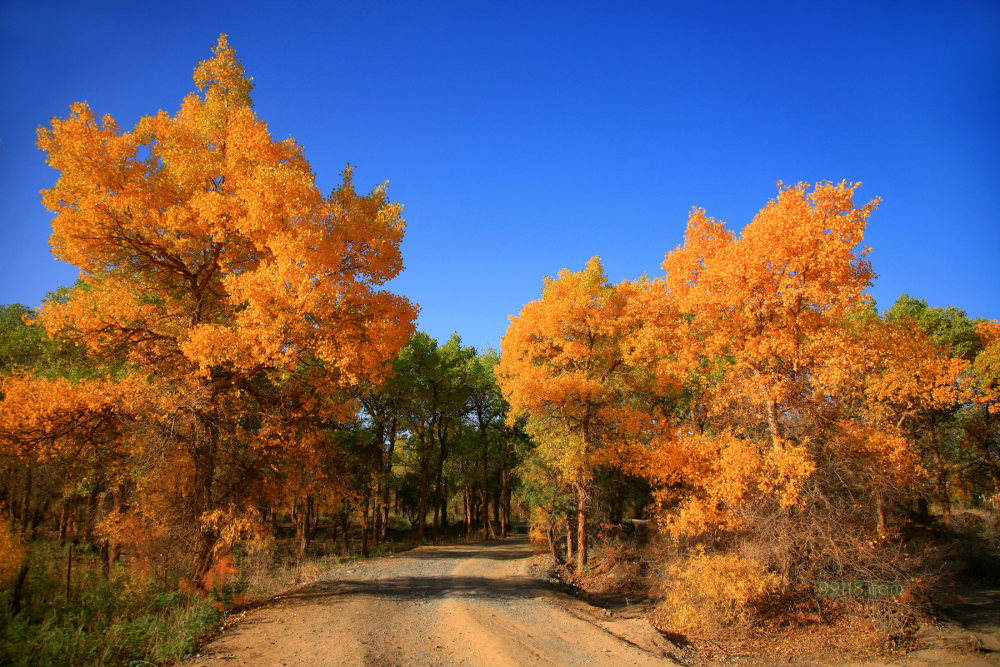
(522, 138)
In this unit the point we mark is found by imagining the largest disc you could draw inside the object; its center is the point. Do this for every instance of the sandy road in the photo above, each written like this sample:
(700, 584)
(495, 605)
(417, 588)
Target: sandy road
(474, 604)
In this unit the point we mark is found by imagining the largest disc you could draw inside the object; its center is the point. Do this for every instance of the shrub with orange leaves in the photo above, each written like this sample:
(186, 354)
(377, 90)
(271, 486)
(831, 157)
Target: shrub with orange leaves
(708, 591)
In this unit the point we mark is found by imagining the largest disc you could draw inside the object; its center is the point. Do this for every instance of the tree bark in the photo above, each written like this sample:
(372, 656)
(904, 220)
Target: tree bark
(203, 454)
(387, 472)
(942, 473)
(570, 539)
(485, 491)
(581, 526)
(422, 512)
(772, 424)
(550, 534)
(364, 523)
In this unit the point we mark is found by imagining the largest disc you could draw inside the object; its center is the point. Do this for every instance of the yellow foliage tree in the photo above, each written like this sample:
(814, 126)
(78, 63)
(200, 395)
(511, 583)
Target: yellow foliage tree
(243, 300)
(561, 364)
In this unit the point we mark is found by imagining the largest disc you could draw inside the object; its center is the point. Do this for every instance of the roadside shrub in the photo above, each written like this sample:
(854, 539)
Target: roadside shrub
(705, 592)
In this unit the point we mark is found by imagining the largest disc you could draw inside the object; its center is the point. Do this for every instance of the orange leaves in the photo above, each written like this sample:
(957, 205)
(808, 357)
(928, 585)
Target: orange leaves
(561, 358)
(908, 371)
(244, 301)
(48, 418)
(223, 75)
(985, 370)
(207, 244)
(756, 359)
(769, 296)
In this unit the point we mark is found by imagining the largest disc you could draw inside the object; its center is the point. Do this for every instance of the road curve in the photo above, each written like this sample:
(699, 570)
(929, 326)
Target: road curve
(468, 604)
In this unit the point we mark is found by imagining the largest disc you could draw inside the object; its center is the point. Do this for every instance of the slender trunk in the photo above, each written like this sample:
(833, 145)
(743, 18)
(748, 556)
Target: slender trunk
(995, 474)
(422, 512)
(550, 534)
(62, 524)
(301, 531)
(696, 421)
(570, 539)
(581, 526)
(26, 499)
(387, 471)
(485, 491)
(496, 506)
(310, 518)
(772, 424)
(364, 522)
(90, 518)
(345, 524)
(581, 488)
(444, 503)
(467, 501)
(377, 514)
(69, 569)
(504, 493)
(439, 495)
(315, 523)
(18, 592)
(942, 472)
(880, 526)
(203, 457)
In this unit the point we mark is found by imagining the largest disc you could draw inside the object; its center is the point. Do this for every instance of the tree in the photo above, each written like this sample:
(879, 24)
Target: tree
(211, 262)
(561, 364)
(752, 352)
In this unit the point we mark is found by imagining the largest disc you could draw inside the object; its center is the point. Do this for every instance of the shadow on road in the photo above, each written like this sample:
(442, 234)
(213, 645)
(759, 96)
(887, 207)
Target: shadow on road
(421, 588)
(462, 553)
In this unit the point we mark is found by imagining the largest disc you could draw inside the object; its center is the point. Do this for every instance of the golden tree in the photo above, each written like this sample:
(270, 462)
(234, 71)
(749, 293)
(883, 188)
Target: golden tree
(746, 339)
(213, 265)
(561, 364)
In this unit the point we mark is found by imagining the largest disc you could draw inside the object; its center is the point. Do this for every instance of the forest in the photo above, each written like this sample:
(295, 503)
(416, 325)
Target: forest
(229, 400)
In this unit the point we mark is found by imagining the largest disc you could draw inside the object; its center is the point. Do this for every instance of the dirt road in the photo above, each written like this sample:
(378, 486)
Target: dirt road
(474, 604)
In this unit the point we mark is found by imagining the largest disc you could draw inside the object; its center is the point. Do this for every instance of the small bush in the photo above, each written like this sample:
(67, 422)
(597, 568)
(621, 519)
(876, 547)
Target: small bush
(708, 591)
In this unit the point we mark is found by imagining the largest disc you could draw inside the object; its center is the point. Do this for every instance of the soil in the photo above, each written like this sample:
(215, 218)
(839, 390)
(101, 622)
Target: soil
(469, 604)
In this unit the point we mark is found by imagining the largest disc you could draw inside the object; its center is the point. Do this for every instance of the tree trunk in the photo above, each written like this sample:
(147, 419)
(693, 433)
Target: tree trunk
(377, 513)
(942, 472)
(387, 472)
(203, 453)
(570, 539)
(18, 592)
(550, 534)
(880, 526)
(504, 490)
(440, 518)
(105, 559)
(772, 424)
(301, 530)
(425, 464)
(485, 491)
(26, 500)
(467, 502)
(581, 526)
(496, 507)
(62, 524)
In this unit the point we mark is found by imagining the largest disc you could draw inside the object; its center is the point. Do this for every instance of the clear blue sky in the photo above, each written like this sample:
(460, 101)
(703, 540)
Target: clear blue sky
(526, 137)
